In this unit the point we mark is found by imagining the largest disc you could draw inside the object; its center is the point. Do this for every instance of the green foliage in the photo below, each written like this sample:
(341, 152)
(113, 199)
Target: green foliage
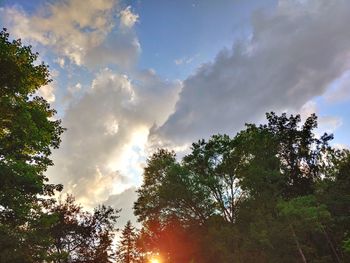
(28, 132)
(346, 245)
(273, 193)
(305, 211)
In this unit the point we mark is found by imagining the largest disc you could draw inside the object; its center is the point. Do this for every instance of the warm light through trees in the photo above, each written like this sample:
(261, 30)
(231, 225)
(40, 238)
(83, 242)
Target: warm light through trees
(272, 193)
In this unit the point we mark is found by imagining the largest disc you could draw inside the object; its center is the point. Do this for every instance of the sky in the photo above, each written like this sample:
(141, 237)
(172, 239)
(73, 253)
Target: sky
(132, 76)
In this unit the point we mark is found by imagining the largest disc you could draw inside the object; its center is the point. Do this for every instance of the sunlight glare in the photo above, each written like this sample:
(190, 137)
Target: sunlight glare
(155, 260)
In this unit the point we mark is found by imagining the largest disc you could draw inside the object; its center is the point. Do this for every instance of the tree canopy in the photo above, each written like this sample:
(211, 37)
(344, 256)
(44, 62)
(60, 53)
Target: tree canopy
(28, 132)
(265, 195)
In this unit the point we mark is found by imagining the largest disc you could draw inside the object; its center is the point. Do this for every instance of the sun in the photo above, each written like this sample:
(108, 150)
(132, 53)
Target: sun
(154, 260)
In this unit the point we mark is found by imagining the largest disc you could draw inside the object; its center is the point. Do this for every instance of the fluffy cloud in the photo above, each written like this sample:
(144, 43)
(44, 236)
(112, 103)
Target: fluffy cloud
(108, 127)
(128, 18)
(294, 53)
(47, 92)
(80, 32)
(109, 122)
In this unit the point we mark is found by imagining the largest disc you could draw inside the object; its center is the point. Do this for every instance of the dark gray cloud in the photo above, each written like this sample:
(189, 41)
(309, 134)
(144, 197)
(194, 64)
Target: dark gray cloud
(294, 53)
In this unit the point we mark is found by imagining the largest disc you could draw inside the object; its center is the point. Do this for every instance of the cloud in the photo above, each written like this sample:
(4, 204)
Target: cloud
(341, 91)
(60, 62)
(104, 146)
(124, 201)
(80, 32)
(128, 18)
(329, 123)
(294, 53)
(326, 123)
(184, 60)
(121, 48)
(109, 122)
(74, 89)
(47, 92)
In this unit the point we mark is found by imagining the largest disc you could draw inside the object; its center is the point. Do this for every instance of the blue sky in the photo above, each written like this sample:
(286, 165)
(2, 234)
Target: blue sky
(130, 76)
(190, 30)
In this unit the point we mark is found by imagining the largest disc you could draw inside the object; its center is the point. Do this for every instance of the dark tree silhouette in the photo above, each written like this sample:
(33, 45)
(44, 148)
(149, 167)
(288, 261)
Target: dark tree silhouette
(127, 250)
(80, 236)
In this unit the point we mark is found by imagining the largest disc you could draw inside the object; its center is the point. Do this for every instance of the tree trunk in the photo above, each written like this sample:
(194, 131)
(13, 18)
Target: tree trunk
(330, 243)
(298, 245)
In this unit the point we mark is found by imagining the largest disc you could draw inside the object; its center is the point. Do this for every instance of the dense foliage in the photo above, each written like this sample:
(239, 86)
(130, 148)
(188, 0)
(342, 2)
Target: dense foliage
(273, 193)
(27, 135)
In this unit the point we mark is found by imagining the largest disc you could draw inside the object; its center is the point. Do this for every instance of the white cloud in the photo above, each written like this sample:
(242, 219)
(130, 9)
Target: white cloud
(74, 89)
(81, 32)
(329, 123)
(185, 60)
(326, 123)
(295, 52)
(104, 147)
(128, 18)
(60, 62)
(308, 108)
(47, 92)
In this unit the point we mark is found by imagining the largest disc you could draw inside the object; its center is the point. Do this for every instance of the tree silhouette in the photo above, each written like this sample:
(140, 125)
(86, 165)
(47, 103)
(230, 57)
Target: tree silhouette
(80, 236)
(127, 250)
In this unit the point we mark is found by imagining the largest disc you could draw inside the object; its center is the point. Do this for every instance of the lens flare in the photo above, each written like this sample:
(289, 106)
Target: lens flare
(154, 260)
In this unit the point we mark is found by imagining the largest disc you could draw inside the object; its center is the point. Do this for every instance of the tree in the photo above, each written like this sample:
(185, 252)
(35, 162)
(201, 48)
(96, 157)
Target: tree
(28, 132)
(334, 192)
(256, 197)
(127, 250)
(283, 152)
(80, 236)
(285, 163)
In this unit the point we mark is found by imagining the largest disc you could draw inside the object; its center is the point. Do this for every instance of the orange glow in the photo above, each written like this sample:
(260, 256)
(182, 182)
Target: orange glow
(154, 260)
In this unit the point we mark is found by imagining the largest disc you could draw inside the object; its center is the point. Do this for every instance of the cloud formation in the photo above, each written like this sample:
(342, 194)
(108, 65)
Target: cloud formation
(104, 146)
(341, 92)
(294, 53)
(80, 32)
(125, 202)
(47, 92)
(128, 18)
(108, 123)
(326, 123)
